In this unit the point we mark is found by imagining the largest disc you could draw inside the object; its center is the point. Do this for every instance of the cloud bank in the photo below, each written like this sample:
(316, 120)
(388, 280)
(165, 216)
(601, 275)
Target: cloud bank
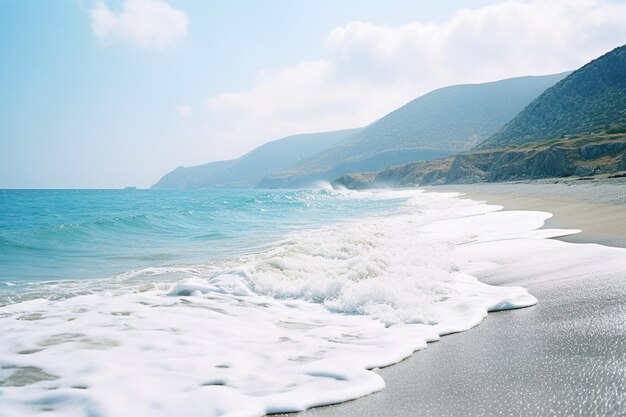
(371, 69)
(146, 23)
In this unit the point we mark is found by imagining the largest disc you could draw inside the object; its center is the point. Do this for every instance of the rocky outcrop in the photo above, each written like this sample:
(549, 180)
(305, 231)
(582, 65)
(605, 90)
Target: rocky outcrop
(622, 163)
(553, 161)
(596, 150)
(583, 157)
(356, 181)
(467, 169)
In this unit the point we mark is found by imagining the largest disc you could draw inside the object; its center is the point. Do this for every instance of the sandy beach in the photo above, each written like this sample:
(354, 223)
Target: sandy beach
(596, 207)
(565, 356)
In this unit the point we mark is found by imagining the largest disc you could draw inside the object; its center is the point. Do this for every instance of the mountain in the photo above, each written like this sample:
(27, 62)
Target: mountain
(590, 100)
(575, 128)
(249, 169)
(441, 123)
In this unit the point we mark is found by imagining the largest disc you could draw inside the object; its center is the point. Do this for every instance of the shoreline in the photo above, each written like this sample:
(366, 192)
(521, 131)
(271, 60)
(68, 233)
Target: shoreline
(597, 208)
(564, 356)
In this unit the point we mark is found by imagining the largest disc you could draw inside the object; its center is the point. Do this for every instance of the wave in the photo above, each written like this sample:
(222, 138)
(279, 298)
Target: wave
(299, 324)
(96, 234)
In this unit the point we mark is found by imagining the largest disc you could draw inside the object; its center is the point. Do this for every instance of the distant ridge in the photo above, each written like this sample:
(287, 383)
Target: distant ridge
(441, 123)
(249, 169)
(590, 100)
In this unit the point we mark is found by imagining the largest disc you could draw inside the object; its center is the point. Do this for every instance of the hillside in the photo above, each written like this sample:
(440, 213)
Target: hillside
(249, 169)
(583, 157)
(575, 128)
(441, 123)
(590, 100)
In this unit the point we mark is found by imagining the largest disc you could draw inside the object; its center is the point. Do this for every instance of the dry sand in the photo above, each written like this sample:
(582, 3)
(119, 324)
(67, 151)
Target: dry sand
(566, 356)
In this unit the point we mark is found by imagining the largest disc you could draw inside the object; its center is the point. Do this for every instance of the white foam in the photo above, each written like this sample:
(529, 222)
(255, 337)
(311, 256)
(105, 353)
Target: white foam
(299, 325)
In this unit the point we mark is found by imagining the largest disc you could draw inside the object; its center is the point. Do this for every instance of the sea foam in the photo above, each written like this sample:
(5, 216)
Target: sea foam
(301, 324)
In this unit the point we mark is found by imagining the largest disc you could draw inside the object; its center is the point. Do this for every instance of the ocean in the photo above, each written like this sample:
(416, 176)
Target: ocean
(232, 302)
(89, 236)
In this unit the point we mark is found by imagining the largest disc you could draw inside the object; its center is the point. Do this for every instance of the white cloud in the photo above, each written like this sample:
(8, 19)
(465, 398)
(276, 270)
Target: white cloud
(371, 69)
(501, 40)
(147, 23)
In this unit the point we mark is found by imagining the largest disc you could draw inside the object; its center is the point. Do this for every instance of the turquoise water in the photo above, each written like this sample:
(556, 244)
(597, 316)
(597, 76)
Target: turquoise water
(51, 235)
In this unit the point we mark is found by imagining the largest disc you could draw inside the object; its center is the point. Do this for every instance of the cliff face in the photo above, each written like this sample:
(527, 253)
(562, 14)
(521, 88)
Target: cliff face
(581, 157)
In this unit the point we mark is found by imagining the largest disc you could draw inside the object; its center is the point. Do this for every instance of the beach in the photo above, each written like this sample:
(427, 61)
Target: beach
(358, 281)
(596, 207)
(564, 356)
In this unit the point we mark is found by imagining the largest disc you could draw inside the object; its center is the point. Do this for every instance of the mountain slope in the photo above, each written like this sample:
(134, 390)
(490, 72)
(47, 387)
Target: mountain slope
(249, 169)
(440, 123)
(590, 100)
(576, 128)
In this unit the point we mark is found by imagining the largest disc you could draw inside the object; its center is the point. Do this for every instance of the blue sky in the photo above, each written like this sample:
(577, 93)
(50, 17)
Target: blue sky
(110, 93)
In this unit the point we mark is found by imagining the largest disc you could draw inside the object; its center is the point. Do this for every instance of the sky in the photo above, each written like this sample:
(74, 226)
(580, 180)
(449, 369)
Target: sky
(115, 93)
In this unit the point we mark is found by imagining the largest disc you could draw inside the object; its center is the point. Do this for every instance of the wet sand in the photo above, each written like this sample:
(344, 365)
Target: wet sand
(598, 208)
(566, 356)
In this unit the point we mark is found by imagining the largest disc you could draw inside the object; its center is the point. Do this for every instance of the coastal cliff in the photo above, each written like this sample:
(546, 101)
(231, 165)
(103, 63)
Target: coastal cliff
(588, 156)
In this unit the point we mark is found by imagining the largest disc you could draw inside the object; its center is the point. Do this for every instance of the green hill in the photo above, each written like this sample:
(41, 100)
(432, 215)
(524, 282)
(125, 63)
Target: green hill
(441, 123)
(590, 100)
